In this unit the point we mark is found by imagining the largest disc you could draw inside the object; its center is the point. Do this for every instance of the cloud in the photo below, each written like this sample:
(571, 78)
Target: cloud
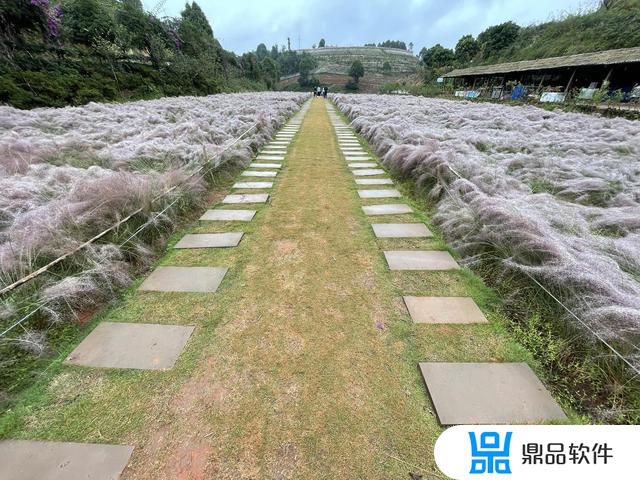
(243, 24)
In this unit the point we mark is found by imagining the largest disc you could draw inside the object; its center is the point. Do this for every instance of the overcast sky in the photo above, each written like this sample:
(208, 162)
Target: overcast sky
(241, 25)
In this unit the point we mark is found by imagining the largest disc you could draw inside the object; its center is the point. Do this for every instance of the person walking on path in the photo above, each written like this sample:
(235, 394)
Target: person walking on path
(325, 90)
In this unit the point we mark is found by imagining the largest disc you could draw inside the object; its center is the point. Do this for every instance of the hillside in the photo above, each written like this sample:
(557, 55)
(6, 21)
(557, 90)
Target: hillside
(338, 60)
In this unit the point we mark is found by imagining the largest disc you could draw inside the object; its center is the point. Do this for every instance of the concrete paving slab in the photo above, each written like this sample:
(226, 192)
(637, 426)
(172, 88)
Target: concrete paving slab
(444, 310)
(374, 181)
(401, 230)
(387, 209)
(258, 173)
(488, 393)
(184, 279)
(387, 193)
(246, 198)
(253, 185)
(356, 155)
(368, 172)
(265, 165)
(279, 142)
(270, 157)
(354, 148)
(140, 346)
(357, 159)
(33, 460)
(420, 260)
(363, 165)
(210, 240)
(228, 215)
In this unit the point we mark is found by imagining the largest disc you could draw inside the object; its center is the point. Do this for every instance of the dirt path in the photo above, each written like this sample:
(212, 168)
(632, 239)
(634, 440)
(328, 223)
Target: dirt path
(302, 365)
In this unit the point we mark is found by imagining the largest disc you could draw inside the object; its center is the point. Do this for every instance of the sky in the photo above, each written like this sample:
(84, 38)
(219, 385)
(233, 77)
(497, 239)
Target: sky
(240, 25)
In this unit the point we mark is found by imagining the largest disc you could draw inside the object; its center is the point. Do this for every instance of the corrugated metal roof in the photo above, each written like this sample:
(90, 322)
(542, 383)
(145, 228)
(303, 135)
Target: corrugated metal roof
(607, 57)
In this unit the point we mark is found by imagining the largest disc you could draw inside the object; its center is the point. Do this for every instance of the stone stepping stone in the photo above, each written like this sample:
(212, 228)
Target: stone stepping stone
(257, 173)
(279, 142)
(363, 165)
(210, 240)
(251, 185)
(265, 165)
(270, 157)
(275, 151)
(444, 310)
(349, 144)
(368, 172)
(488, 393)
(420, 260)
(356, 154)
(388, 193)
(401, 230)
(352, 149)
(387, 209)
(246, 198)
(32, 460)
(141, 346)
(374, 181)
(228, 215)
(184, 279)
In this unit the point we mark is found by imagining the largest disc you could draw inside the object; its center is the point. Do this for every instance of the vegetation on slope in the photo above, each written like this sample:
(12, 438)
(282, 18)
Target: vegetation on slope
(77, 51)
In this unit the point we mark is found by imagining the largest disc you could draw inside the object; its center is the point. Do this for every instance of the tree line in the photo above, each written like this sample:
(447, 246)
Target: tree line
(76, 51)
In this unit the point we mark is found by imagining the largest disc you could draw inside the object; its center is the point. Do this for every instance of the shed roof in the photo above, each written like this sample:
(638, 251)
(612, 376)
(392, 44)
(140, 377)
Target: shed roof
(607, 57)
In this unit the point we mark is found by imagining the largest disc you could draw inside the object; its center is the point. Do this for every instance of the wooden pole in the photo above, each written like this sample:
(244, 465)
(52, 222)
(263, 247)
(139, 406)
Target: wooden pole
(570, 84)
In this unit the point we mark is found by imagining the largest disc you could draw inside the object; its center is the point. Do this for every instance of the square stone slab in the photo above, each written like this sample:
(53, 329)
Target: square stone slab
(368, 172)
(374, 181)
(256, 173)
(140, 346)
(388, 193)
(31, 460)
(363, 165)
(351, 149)
(420, 260)
(210, 240)
(444, 310)
(228, 215)
(279, 142)
(488, 393)
(357, 159)
(356, 154)
(349, 143)
(401, 230)
(273, 151)
(270, 157)
(247, 198)
(253, 185)
(265, 165)
(184, 279)
(387, 209)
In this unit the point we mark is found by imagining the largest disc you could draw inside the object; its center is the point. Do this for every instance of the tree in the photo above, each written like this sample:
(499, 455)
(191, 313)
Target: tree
(466, 49)
(321, 44)
(134, 25)
(18, 17)
(386, 68)
(274, 52)
(437, 56)
(356, 71)
(262, 52)
(495, 39)
(270, 73)
(250, 66)
(393, 44)
(195, 32)
(88, 21)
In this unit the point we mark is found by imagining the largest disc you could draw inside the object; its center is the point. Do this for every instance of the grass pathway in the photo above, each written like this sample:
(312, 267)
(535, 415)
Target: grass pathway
(302, 365)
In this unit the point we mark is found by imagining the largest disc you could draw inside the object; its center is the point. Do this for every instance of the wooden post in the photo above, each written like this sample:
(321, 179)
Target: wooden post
(474, 83)
(541, 82)
(570, 84)
(607, 78)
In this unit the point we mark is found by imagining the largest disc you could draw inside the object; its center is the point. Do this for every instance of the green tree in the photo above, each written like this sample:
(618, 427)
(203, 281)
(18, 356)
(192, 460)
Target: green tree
(262, 52)
(250, 66)
(437, 56)
(195, 32)
(321, 44)
(356, 71)
(274, 52)
(497, 38)
(134, 23)
(386, 68)
(88, 22)
(17, 18)
(270, 73)
(466, 49)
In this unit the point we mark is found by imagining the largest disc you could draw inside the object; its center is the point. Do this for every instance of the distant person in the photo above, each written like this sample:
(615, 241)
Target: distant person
(325, 90)
(318, 91)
